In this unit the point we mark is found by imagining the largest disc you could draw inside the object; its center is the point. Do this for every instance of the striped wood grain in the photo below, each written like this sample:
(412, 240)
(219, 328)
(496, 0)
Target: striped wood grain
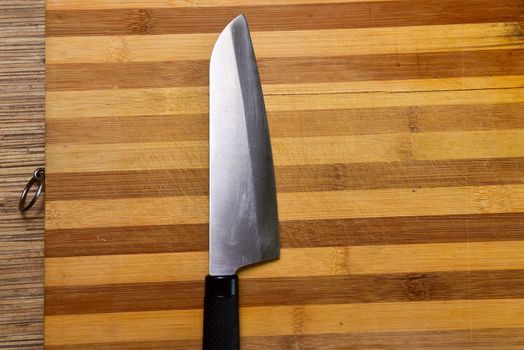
(297, 43)
(290, 16)
(398, 140)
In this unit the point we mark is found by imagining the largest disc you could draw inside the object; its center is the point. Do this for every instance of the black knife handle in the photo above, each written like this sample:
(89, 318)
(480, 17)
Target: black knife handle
(221, 320)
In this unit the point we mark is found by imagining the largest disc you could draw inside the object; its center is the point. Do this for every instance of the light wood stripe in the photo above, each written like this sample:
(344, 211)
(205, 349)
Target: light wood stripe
(373, 99)
(138, 4)
(126, 102)
(435, 257)
(287, 320)
(138, 102)
(122, 212)
(293, 151)
(114, 269)
(294, 262)
(489, 144)
(399, 147)
(482, 338)
(318, 43)
(402, 202)
(178, 101)
(292, 206)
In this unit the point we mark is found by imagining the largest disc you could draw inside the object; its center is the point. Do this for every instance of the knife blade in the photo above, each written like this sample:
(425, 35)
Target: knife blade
(243, 219)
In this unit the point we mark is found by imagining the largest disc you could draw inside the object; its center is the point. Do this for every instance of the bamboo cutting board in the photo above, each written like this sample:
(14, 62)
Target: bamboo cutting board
(398, 138)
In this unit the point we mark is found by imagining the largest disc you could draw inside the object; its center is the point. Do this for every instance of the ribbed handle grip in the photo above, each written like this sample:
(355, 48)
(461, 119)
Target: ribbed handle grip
(221, 319)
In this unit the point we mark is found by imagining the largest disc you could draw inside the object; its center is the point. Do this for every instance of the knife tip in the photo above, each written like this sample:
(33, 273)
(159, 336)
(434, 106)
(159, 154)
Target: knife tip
(239, 22)
(240, 18)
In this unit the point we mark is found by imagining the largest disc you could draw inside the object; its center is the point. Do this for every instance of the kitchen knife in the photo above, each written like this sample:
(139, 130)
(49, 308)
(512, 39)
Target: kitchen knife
(243, 221)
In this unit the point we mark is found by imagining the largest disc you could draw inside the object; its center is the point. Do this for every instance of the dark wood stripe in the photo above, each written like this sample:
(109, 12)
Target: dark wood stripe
(283, 17)
(294, 234)
(474, 339)
(290, 70)
(126, 240)
(304, 178)
(336, 122)
(148, 128)
(290, 291)
(126, 184)
(412, 174)
(91, 76)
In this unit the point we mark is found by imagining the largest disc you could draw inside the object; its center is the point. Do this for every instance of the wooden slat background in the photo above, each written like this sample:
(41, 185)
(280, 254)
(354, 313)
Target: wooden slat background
(398, 138)
(21, 151)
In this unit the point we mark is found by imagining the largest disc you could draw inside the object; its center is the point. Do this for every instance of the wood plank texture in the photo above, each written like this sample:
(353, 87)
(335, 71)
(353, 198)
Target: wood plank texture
(289, 320)
(281, 17)
(297, 43)
(398, 141)
(21, 151)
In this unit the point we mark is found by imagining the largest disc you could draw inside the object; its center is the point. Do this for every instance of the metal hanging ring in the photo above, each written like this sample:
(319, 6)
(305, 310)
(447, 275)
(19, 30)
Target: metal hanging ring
(38, 179)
